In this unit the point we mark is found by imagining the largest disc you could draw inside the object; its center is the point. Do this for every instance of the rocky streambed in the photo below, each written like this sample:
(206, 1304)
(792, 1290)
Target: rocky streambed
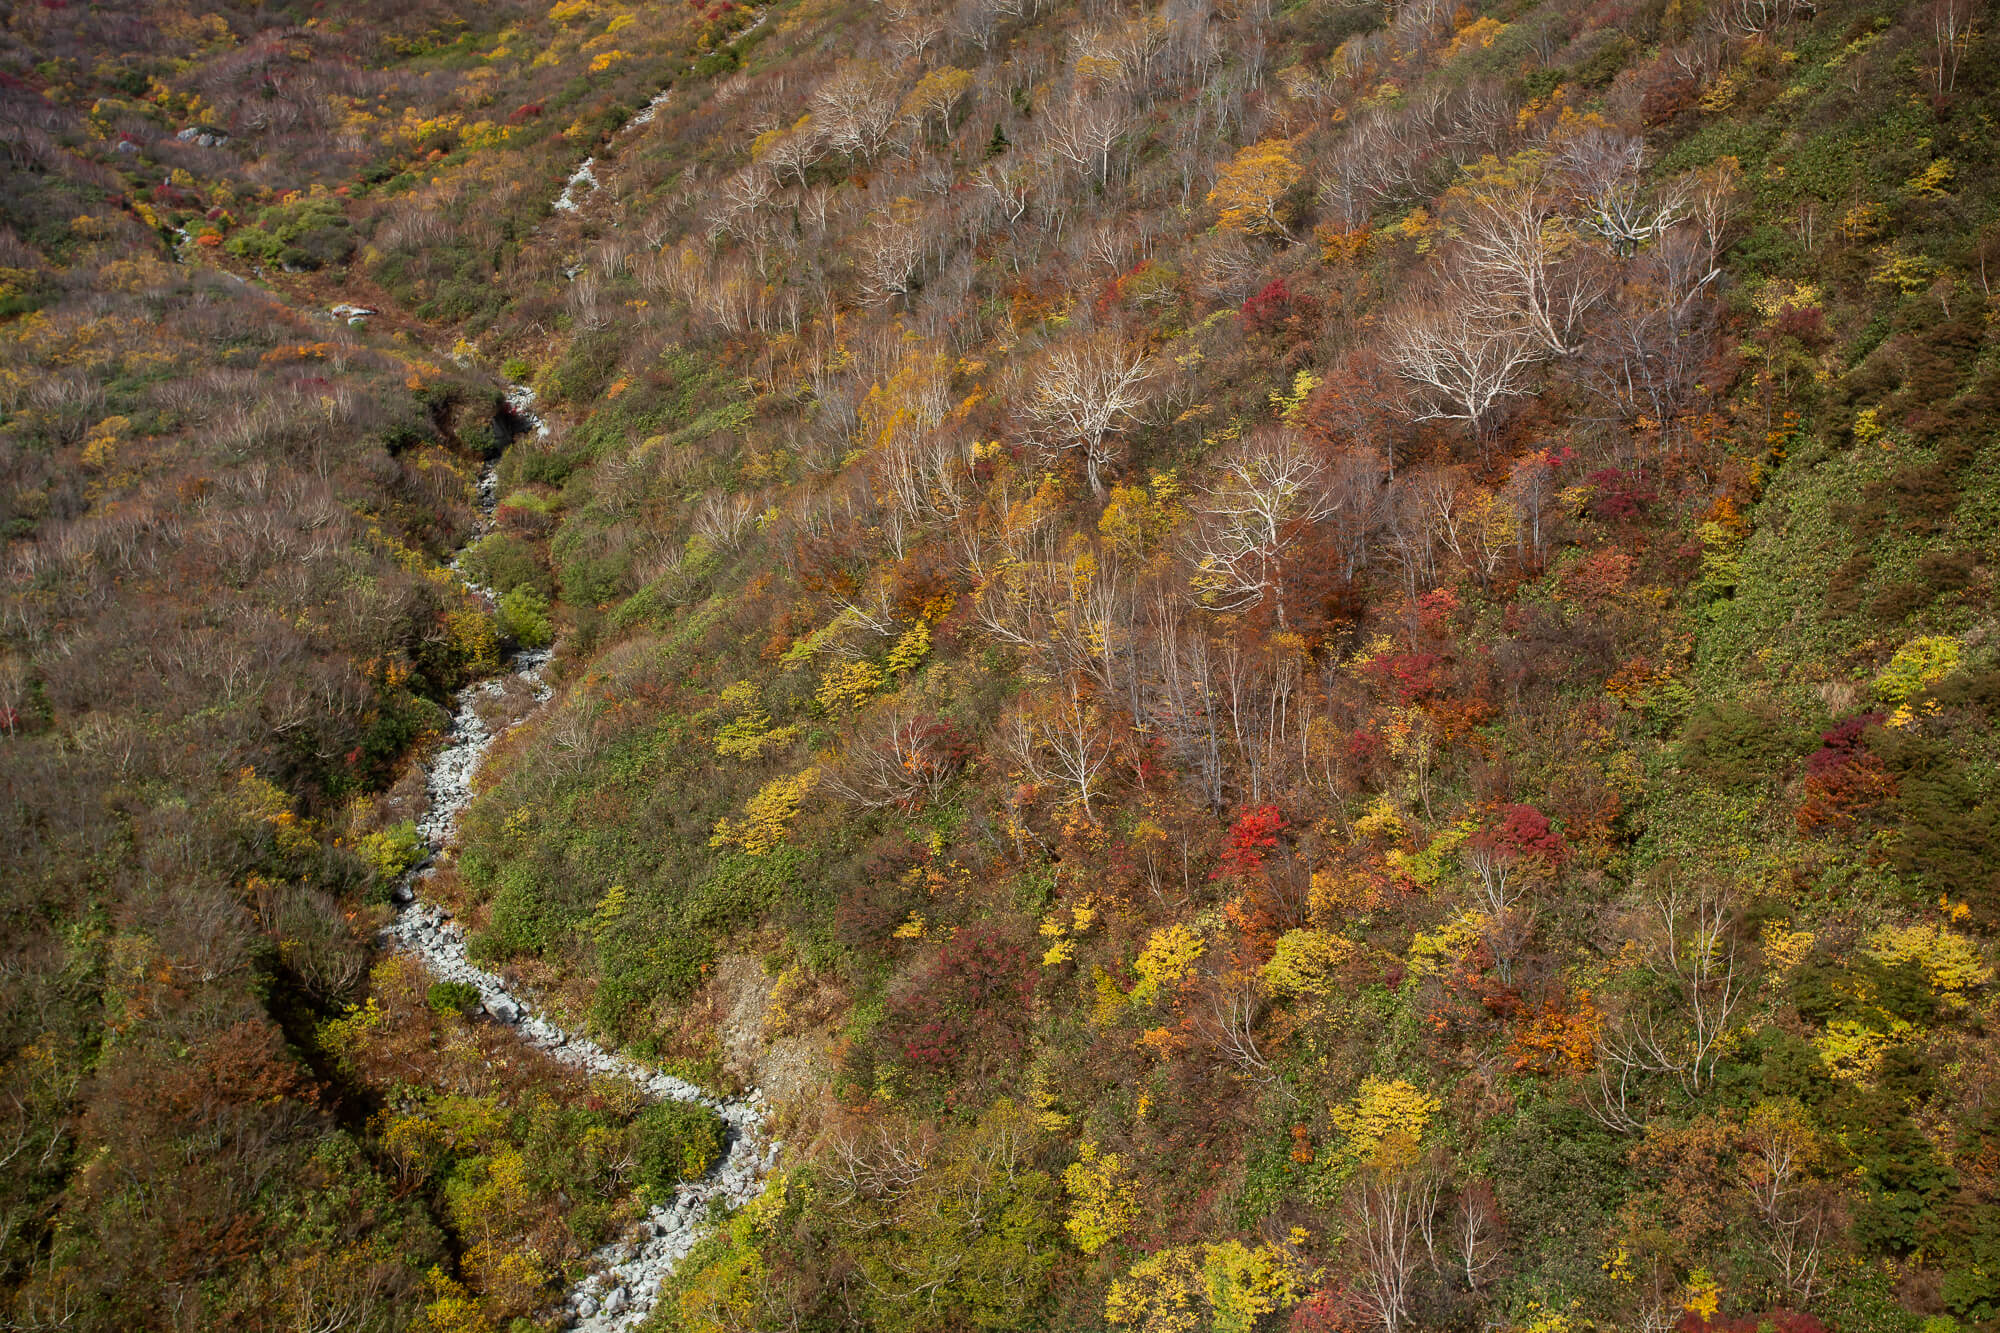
(626, 1275)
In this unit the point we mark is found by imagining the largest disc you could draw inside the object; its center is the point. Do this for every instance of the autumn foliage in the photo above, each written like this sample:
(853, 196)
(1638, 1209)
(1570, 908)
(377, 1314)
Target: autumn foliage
(1272, 666)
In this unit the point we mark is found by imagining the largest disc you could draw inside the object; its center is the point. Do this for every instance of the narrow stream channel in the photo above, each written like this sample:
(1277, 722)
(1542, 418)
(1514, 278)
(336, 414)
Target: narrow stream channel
(624, 1278)
(626, 1275)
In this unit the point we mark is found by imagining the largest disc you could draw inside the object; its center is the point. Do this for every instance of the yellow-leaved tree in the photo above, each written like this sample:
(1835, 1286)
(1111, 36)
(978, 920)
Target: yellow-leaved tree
(1168, 959)
(1226, 1288)
(1250, 191)
(1306, 965)
(1950, 961)
(936, 94)
(768, 816)
(1103, 1203)
(1385, 1122)
(724, 1292)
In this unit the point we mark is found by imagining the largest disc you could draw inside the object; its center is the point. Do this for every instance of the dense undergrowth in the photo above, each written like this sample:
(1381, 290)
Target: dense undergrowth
(227, 626)
(1342, 657)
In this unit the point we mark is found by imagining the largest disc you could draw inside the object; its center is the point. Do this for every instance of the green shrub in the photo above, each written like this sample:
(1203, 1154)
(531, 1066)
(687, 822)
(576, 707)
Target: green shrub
(481, 437)
(400, 435)
(523, 919)
(464, 300)
(1790, 1066)
(593, 564)
(399, 718)
(1561, 1190)
(1899, 1178)
(1864, 1300)
(590, 1222)
(524, 618)
(1732, 743)
(529, 508)
(391, 851)
(545, 462)
(714, 63)
(308, 234)
(452, 997)
(1947, 823)
(674, 1142)
(586, 367)
(1602, 65)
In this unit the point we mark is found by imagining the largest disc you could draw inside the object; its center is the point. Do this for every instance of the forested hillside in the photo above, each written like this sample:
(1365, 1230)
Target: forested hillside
(1315, 667)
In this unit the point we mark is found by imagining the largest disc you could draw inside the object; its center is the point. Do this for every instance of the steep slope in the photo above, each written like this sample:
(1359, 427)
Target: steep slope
(1269, 668)
(228, 625)
(1340, 657)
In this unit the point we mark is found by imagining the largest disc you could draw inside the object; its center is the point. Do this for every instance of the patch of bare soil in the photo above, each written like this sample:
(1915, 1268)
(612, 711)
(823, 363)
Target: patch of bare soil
(776, 1032)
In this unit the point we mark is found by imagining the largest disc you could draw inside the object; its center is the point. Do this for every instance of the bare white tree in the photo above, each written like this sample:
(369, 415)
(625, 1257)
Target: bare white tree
(891, 251)
(857, 111)
(1606, 171)
(585, 300)
(1750, 18)
(330, 1294)
(1006, 183)
(722, 519)
(1645, 353)
(1393, 156)
(877, 1167)
(1358, 495)
(816, 206)
(1270, 489)
(1228, 1021)
(1061, 739)
(17, 689)
(1531, 489)
(904, 762)
(1951, 30)
(1082, 131)
(1388, 1212)
(1521, 264)
(740, 202)
(1475, 1233)
(1083, 392)
(316, 943)
(1695, 949)
(1700, 952)
(1463, 360)
(1792, 1214)
(915, 34)
(1493, 875)
(572, 734)
(976, 22)
(795, 151)
(1073, 616)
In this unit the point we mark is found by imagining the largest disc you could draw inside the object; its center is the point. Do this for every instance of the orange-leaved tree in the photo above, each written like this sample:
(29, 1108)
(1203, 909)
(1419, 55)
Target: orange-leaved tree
(1250, 191)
